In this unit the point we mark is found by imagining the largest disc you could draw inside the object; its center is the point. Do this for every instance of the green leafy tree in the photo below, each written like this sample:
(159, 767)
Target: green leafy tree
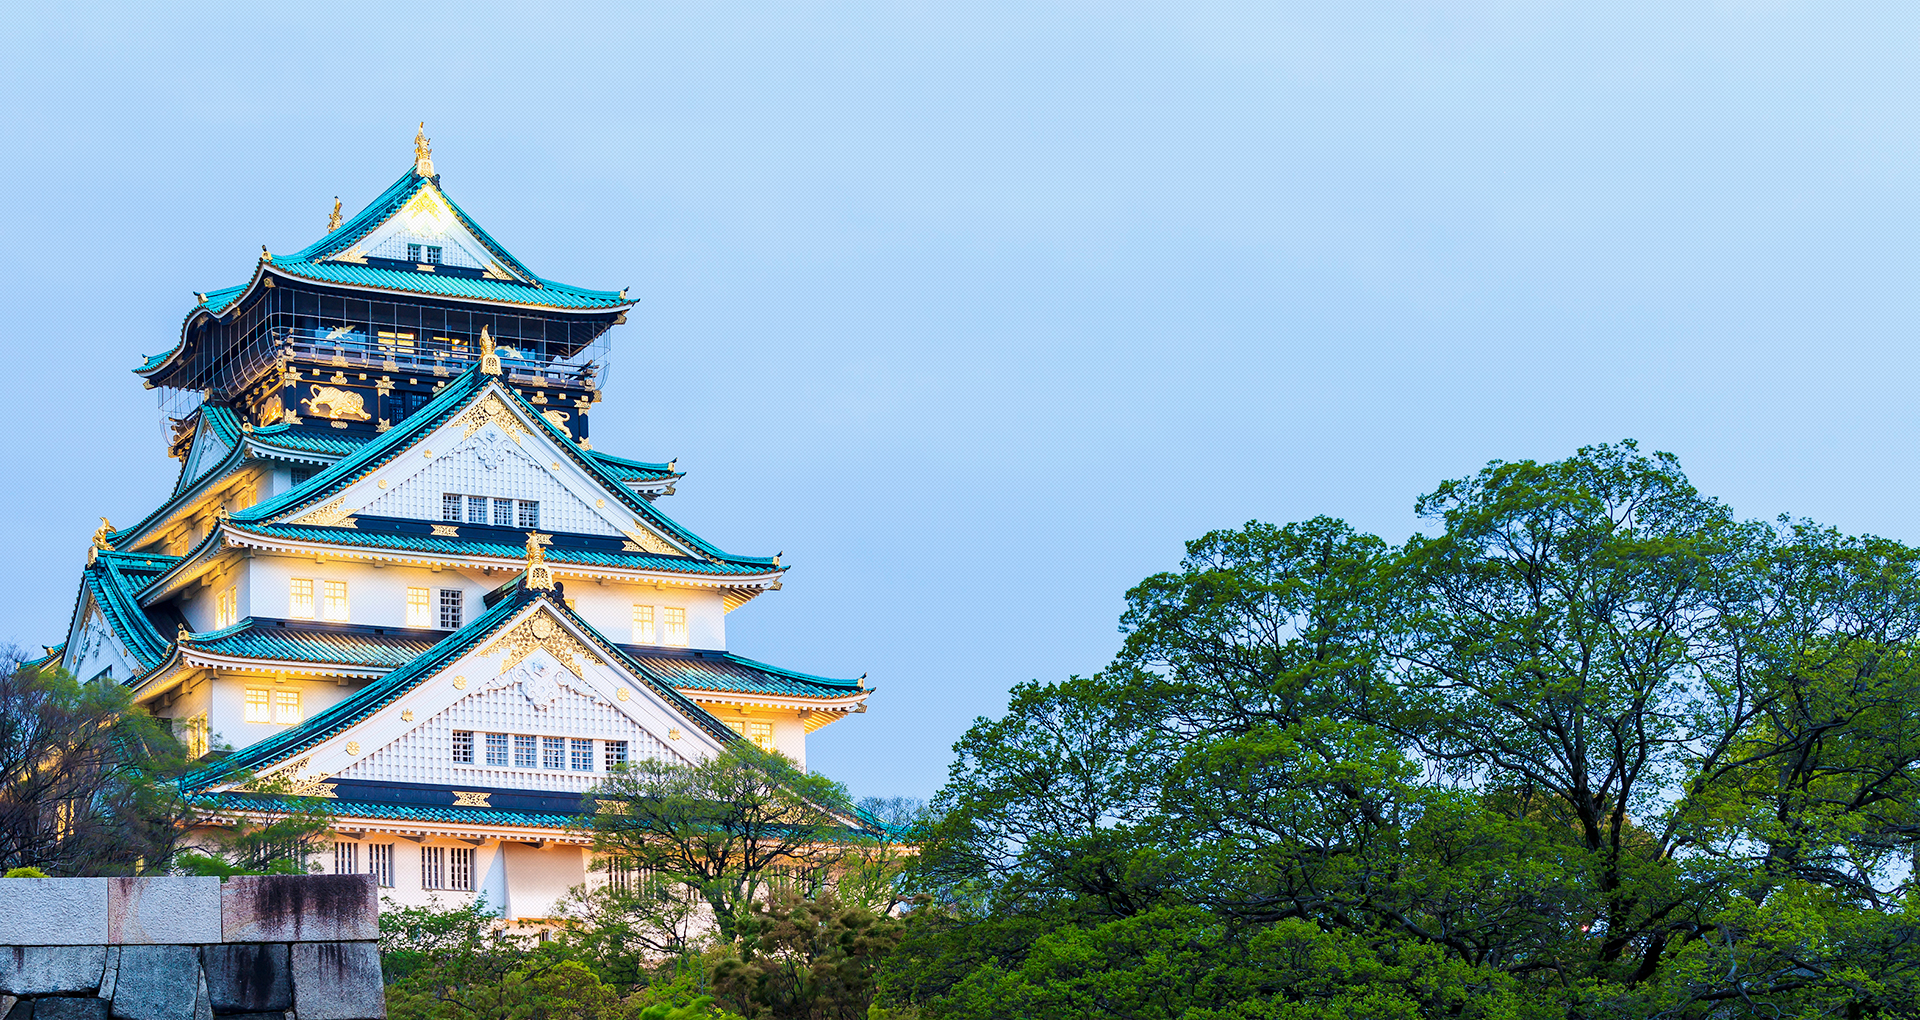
(805, 959)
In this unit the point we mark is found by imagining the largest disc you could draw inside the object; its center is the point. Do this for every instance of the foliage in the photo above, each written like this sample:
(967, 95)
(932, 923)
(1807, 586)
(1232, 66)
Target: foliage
(26, 873)
(805, 959)
(281, 839)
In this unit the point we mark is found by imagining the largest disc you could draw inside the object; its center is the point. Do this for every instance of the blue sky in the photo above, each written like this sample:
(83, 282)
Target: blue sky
(978, 311)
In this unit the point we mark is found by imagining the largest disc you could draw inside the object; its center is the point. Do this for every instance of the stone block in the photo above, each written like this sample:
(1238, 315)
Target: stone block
(70, 1009)
(158, 983)
(54, 912)
(300, 908)
(257, 1016)
(49, 970)
(338, 981)
(248, 977)
(18, 1009)
(112, 974)
(164, 910)
(6, 1005)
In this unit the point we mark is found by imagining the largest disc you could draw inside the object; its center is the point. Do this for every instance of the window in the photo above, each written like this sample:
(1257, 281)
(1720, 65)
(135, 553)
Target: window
(503, 513)
(529, 513)
(193, 730)
(300, 598)
(643, 633)
(336, 592)
(433, 867)
(463, 746)
(225, 609)
(346, 858)
(676, 627)
(450, 506)
(525, 752)
(476, 509)
(301, 474)
(553, 752)
(286, 706)
(433, 257)
(413, 253)
(761, 733)
(380, 863)
(259, 705)
(417, 608)
(616, 754)
(582, 755)
(460, 868)
(452, 600)
(627, 876)
(389, 338)
(497, 749)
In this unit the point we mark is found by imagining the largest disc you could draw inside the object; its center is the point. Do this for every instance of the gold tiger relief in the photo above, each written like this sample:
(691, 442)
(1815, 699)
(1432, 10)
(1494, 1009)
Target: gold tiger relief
(334, 402)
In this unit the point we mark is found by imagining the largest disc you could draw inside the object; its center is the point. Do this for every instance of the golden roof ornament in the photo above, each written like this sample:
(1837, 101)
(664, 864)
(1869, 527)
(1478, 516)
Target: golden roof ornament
(100, 536)
(539, 577)
(489, 355)
(333, 221)
(423, 152)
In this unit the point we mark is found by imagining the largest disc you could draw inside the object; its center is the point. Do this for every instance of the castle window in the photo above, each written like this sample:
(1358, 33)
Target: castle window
(300, 598)
(529, 513)
(503, 513)
(553, 752)
(582, 755)
(346, 858)
(225, 613)
(450, 506)
(336, 593)
(526, 752)
(433, 867)
(676, 626)
(463, 747)
(259, 705)
(286, 706)
(497, 749)
(413, 253)
(643, 633)
(380, 863)
(452, 601)
(476, 509)
(460, 864)
(433, 254)
(301, 474)
(616, 754)
(392, 339)
(418, 608)
(761, 733)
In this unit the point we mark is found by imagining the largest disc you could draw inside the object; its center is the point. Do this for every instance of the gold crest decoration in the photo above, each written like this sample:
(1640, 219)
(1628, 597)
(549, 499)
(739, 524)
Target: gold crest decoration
(542, 631)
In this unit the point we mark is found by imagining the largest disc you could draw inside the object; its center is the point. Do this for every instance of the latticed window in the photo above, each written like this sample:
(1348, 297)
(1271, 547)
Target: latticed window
(450, 506)
(463, 746)
(300, 598)
(476, 509)
(526, 752)
(626, 876)
(380, 863)
(452, 601)
(643, 633)
(286, 706)
(336, 592)
(761, 733)
(616, 754)
(419, 608)
(346, 858)
(529, 513)
(433, 867)
(503, 513)
(676, 627)
(259, 706)
(497, 749)
(433, 258)
(413, 253)
(460, 868)
(553, 752)
(225, 610)
(582, 755)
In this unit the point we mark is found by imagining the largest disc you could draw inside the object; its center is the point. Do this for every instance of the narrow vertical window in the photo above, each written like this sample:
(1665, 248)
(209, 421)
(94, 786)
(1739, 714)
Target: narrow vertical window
(300, 598)
(380, 863)
(336, 592)
(224, 614)
(553, 752)
(418, 605)
(582, 755)
(676, 627)
(452, 602)
(643, 633)
(286, 706)
(476, 509)
(497, 749)
(503, 513)
(526, 752)
(616, 754)
(463, 746)
(460, 868)
(259, 705)
(346, 858)
(529, 513)
(450, 506)
(433, 867)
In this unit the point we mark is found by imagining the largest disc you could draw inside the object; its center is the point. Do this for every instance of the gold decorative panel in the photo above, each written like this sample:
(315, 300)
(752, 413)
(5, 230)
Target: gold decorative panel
(542, 631)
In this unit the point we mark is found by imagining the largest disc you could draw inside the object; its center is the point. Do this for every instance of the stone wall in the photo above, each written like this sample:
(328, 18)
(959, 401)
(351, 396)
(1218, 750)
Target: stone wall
(174, 948)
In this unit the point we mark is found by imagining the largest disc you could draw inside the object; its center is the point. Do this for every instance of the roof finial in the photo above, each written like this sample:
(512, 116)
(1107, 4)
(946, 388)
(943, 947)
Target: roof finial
(333, 222)
(423, 152)
(489, 354)
(539, 576)
(101, 534)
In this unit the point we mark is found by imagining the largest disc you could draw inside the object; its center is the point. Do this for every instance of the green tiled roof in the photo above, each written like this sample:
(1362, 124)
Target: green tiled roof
(270, 639)
(724, 671)
(330, 442)
(384, 691)
(368, 538)
(113, 579)
(397, 812)
(53, 652)
(634, 470)
(548, 294)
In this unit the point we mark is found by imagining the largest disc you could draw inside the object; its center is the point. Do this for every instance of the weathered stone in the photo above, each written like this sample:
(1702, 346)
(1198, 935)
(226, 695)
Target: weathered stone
(54, 912)
(6, 1005)
(300, 908)
(158, 983)
(250, 977)
(338, 981)
(257, 1016)
(69, 1009)
(21, 1010)
(166, 910)
(46, 970)
(112, 973)
(203, 1003)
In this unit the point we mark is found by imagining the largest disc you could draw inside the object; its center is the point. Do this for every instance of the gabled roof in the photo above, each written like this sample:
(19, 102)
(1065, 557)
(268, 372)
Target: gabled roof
(370, 699)
(631, 471)
(727, 672)
(284, 641)
(54, 652)
(114, 579)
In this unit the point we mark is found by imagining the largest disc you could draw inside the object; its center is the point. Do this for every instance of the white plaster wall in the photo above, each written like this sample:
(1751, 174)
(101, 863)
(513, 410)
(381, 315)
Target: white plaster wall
(376, 596)
(489, 464)
(537, 877)
(407, 891)
(609, 607)
(789, 733)
(226, 706)
(93, 648)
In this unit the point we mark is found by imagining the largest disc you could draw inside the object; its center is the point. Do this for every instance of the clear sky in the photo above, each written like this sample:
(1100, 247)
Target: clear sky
(978, 311)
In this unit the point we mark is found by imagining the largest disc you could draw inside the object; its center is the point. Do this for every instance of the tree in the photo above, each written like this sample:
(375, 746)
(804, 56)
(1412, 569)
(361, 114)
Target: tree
(806, 959)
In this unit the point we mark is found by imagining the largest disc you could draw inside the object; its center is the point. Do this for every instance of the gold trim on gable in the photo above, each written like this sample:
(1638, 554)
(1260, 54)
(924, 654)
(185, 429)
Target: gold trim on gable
(542, 631)
(334, 514)
(491, 411)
